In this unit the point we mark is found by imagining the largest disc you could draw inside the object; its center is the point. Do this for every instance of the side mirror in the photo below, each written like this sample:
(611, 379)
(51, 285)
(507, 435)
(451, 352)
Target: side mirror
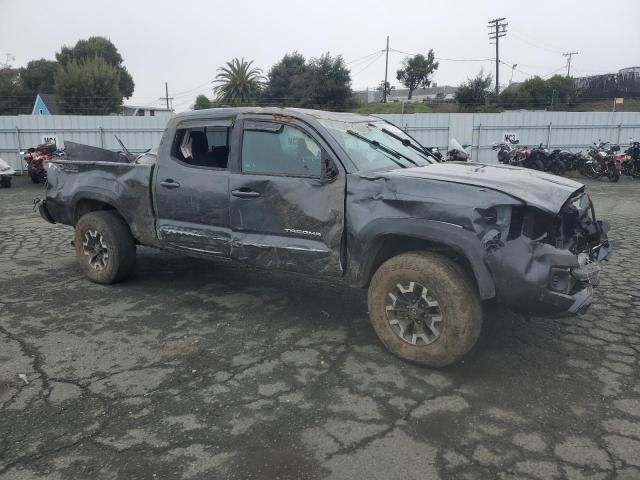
(329, 169)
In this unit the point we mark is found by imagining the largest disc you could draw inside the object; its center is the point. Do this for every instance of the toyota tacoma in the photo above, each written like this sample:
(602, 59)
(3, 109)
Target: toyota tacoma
(344, 196)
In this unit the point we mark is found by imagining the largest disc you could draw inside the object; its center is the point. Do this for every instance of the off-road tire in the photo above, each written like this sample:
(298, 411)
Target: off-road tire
(450, 286)
(120, 243)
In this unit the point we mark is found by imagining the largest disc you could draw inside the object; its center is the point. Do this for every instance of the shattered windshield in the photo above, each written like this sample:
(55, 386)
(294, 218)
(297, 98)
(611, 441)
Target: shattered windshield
(376, 145)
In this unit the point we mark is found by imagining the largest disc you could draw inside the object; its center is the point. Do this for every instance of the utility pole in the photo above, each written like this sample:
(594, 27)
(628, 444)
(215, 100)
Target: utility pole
(569, 55)
(498, 29)
(386, 68)
(166, 97)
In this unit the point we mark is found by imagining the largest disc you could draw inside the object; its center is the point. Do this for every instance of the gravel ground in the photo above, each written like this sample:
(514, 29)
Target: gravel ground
(195, 369)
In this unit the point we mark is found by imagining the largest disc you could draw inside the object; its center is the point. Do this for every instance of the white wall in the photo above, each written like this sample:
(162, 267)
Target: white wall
(570, 130)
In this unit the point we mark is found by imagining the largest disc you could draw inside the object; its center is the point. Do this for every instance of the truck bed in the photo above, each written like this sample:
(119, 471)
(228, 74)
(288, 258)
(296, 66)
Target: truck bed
(75, 184)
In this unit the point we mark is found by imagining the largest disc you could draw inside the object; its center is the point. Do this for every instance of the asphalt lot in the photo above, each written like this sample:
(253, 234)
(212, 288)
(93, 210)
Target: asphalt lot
(194, 370)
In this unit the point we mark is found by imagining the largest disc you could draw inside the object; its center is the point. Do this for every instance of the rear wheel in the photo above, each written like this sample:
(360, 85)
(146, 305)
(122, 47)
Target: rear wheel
(104, 247)
(424, 309)
(613, 174)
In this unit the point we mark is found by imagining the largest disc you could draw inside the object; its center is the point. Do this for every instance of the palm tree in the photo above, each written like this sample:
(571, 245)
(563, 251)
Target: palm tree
(238, 83)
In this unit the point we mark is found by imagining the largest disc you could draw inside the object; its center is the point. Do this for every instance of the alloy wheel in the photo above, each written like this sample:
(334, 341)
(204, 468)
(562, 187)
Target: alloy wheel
(414, 314)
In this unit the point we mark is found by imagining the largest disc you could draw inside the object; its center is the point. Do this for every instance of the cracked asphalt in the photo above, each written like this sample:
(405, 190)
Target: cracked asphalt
(194, 369)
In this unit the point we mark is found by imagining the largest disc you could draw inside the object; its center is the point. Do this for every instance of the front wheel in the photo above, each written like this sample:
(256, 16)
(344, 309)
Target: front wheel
(424, 308)
(104, 247)
(558, 167)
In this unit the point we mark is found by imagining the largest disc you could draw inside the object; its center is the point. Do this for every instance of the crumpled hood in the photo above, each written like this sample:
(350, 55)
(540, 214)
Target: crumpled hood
(538, 189)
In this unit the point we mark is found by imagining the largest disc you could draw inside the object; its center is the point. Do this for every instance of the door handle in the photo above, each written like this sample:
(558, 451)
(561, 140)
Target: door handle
(169, 183)
(245, 193)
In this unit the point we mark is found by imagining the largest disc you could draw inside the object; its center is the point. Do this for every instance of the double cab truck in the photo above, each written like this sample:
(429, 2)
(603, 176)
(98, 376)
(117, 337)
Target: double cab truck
(348, 197)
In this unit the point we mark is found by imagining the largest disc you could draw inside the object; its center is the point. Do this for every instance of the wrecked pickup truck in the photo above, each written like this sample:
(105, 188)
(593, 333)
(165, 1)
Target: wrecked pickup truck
(345, 196)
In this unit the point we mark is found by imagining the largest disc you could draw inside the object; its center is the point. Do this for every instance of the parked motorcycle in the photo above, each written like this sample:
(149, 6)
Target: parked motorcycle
(551, 163)
(604, 161)
(36, 159)
(457, 152)
(631, 163)
(435, 152)
(6, 174)
(570, 160)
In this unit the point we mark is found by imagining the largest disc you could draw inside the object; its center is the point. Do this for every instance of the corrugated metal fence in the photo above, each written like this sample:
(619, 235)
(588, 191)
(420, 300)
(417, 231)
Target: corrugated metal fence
(570, 130)
(24, 131)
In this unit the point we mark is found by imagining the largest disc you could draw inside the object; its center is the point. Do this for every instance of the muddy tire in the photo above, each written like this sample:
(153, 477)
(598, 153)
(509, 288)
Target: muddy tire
(104, 247)
(425, 309)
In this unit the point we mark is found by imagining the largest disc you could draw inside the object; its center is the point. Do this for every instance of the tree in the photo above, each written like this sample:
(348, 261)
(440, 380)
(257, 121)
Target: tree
(201, 103)
(539, 93)
(416, 71)
(89, 87)
(14, 98)
(99, 47)
(475, 91)
(326, 83)
(39, 76)
(323, 82)
(385, 87)
(238, 83)
(283, 77)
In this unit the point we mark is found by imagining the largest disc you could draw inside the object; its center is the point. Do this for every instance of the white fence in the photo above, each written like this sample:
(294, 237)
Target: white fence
(570, 130)
(24, 131)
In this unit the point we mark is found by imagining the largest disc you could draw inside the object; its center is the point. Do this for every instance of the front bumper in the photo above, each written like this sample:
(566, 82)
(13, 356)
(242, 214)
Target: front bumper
(542, 280)
(41, 207)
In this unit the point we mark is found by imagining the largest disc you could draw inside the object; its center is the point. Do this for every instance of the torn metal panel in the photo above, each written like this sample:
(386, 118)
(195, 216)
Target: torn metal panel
(538, 189)
(78, 151)
(124, 187)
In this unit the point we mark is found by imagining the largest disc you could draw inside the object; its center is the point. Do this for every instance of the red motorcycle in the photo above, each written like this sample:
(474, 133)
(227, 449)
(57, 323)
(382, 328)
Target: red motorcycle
(605, 161)
(36, 159)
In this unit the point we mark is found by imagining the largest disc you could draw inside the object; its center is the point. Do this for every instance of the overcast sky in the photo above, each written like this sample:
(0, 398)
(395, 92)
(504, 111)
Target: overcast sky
(184, 42)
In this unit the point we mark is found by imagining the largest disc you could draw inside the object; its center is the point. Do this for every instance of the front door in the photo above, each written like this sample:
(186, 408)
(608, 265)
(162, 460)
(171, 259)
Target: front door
(287, 200)
(192, 188)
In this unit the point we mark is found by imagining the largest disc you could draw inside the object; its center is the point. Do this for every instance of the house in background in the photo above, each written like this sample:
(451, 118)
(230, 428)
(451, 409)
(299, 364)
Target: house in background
(45, 104)
(147, 111)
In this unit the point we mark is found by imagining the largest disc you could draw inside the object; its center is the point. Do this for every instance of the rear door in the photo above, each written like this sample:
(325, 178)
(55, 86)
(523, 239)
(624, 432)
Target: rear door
(287, 199)
(192, 188)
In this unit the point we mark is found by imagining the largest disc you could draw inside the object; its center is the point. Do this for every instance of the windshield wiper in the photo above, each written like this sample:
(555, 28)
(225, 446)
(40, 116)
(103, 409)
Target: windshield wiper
(382, 147)
(407, 143)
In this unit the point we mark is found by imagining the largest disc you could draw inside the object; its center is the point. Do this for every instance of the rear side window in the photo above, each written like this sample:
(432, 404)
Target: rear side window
(202, 146)
(283, 150)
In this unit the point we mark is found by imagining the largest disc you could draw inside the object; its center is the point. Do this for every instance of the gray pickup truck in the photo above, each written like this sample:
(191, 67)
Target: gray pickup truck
(348, 197)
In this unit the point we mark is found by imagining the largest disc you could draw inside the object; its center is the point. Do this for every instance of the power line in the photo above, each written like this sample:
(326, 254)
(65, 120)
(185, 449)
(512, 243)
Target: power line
(363, 58)
(369, 64)
(536, 44)
(446, 59)
(497, 30)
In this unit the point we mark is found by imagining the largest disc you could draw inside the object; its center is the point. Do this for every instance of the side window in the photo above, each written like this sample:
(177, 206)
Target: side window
(202, 146)
(283, 150)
